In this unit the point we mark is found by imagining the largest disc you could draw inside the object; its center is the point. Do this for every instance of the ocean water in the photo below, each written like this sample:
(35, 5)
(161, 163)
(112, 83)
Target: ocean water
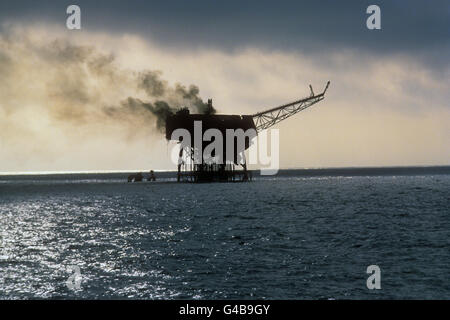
(303, 234)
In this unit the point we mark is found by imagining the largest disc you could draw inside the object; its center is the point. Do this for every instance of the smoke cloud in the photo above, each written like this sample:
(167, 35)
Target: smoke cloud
(82, 85)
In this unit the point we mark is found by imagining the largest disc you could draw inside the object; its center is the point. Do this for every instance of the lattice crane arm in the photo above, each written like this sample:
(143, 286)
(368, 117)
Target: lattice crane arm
(268, 118)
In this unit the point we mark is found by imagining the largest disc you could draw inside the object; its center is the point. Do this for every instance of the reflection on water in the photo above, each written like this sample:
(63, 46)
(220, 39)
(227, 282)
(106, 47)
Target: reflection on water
(287, 237)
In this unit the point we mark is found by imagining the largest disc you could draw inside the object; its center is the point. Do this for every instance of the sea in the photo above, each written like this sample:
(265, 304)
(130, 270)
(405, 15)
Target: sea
(301, 234)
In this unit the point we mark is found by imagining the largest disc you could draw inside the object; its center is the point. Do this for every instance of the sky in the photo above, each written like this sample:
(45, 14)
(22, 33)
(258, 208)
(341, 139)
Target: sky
(65, 94)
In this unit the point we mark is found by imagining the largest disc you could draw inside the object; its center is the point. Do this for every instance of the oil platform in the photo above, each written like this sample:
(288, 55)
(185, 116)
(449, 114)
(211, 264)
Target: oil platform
(230, 170)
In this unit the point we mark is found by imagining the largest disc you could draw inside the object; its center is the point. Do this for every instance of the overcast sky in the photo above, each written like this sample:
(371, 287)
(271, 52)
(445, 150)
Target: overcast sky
(408, 26)
(387, 105)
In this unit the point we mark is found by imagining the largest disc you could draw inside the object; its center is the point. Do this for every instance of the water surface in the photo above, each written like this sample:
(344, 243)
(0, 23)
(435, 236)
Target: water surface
(304, 234)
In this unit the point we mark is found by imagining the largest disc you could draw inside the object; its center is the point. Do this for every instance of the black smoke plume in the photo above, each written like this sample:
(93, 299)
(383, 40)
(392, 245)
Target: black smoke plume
(81, 85)
(180, 96)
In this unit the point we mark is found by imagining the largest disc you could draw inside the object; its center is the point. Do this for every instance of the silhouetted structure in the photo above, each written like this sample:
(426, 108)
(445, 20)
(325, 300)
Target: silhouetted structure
(204, 172)
(152, 176)
(135, 177)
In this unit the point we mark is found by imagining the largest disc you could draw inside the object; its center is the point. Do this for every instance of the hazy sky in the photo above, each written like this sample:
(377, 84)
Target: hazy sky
(387, 103)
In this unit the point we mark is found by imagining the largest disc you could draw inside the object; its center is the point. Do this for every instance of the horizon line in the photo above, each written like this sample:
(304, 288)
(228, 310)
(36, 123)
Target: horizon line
(44, 172)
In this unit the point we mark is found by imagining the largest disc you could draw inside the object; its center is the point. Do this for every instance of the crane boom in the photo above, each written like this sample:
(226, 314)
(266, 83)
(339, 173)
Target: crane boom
(268, 118)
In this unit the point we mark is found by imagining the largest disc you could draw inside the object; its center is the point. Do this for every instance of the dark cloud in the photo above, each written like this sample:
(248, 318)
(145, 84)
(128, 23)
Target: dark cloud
(413, 26)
